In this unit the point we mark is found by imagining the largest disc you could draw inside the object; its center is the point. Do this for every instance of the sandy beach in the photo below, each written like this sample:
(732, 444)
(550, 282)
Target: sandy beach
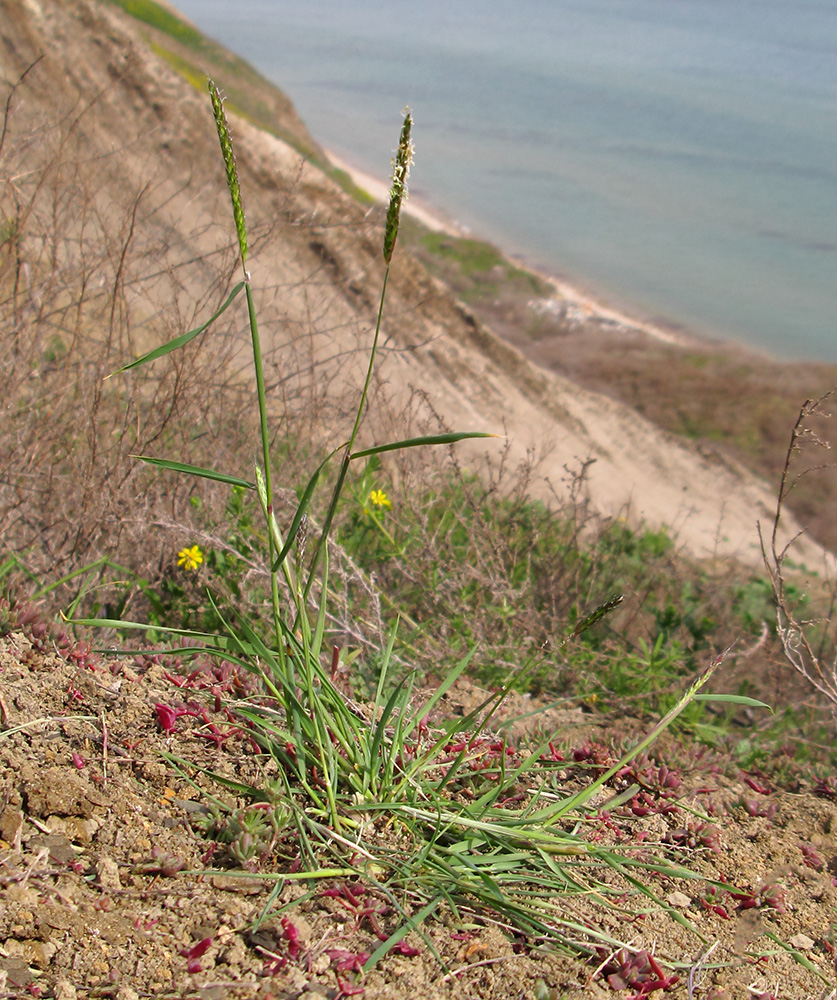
(708, 503)
(570, 296)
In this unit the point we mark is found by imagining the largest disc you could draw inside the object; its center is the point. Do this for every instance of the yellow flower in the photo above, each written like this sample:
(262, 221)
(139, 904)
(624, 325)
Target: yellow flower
(380, 499)
(190, 559)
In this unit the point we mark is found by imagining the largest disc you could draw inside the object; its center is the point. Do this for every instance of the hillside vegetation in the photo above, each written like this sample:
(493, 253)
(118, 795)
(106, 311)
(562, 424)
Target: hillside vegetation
(324, 716)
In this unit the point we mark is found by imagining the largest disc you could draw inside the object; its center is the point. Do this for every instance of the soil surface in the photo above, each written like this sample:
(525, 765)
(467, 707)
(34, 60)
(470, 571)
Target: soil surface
(109, 887)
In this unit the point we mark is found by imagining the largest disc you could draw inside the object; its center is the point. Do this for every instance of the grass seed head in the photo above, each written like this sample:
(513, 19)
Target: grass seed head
(398, 192)
(225, 139)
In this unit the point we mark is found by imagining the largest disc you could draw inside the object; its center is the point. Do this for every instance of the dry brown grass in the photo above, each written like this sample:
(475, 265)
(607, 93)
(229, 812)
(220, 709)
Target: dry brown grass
(72, 310)
(808, 644)
(96, 267)
(86, 284)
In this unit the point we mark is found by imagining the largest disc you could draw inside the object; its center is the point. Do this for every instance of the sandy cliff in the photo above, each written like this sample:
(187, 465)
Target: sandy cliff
(142, 138)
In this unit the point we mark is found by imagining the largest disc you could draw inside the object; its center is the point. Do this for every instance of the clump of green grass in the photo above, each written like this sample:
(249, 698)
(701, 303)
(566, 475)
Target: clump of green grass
(191, 54)
(497, 570)
(472, 256)
(163, 19)
(429, 813)
(474, 268)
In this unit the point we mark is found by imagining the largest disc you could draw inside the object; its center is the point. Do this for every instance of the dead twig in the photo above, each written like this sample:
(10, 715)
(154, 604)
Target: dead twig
(818, 666)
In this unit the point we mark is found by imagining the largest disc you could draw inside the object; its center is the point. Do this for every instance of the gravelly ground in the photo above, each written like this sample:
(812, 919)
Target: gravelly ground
(99, 896)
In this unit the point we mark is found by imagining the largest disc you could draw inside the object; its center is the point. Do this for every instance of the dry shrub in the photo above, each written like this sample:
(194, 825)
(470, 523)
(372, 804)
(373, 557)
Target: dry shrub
(73, 308)
(86, 285)
(809, 643)
(95, 269)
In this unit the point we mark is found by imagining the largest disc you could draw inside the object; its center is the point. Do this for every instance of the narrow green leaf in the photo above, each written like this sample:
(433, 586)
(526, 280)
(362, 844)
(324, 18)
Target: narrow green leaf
(319, 630)
(411, 924)
(180, 341)
(420, 441)
(439, 692)
(210, 641)
(797, 956)
(579, 799)
(382, 722)
(734, 699)
(196, 470)
(301, 511)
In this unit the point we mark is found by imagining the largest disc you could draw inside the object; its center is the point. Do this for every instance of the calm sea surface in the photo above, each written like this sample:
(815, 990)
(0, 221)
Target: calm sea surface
(675, 157)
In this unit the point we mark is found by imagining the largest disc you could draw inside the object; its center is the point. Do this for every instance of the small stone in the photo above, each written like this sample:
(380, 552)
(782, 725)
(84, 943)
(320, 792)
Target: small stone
(64, 990)
(153, 770)
(679, 900)
(126, 993)
(11, 823)
(39, 953)
(78, 830)
(802, 942)
(60, 849)
(320, 965)
(243, 886)
(21, 894)
(236, 954)
(108, 872)
(213, 992)
(17, 972)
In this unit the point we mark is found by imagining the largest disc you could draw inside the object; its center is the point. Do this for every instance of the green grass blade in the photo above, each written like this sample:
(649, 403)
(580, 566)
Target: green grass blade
(196, 470)
(180, 341)
(797, 956)
(440, 691)
(579, 800)
(373, 764)
(14, 562)
(418, 442)
(734, 699)
(101, 562)
(319, 628)
(217, 642)
(301, 510)
(385, 662)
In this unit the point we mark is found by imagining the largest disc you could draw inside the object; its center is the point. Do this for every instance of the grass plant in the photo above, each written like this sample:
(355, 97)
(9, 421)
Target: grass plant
(427, 813)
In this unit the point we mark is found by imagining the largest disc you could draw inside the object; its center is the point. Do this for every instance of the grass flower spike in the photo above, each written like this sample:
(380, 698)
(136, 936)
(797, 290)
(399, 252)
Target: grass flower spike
(398, 191)
(190, 559)
(233, 186)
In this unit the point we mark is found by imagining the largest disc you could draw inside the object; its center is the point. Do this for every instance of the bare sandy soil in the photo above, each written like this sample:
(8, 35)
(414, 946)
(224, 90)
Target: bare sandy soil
(110, 885)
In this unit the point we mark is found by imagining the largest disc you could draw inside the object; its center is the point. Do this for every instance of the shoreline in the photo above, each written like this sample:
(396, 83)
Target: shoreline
(585, 305)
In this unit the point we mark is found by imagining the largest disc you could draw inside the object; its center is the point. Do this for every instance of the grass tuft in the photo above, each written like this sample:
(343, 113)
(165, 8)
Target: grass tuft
(423, 811)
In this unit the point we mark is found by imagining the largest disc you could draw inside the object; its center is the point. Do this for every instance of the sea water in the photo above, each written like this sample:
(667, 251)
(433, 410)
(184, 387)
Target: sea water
(675, 157)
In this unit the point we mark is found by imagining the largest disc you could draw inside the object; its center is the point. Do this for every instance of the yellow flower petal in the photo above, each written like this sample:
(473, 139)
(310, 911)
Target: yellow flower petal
(190, 558)
(380, 499)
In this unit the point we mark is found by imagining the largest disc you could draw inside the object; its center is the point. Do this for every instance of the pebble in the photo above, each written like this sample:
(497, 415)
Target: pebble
(679, 900)
(108, 872)
(243, 886)
(802, 942)
(64, 990)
